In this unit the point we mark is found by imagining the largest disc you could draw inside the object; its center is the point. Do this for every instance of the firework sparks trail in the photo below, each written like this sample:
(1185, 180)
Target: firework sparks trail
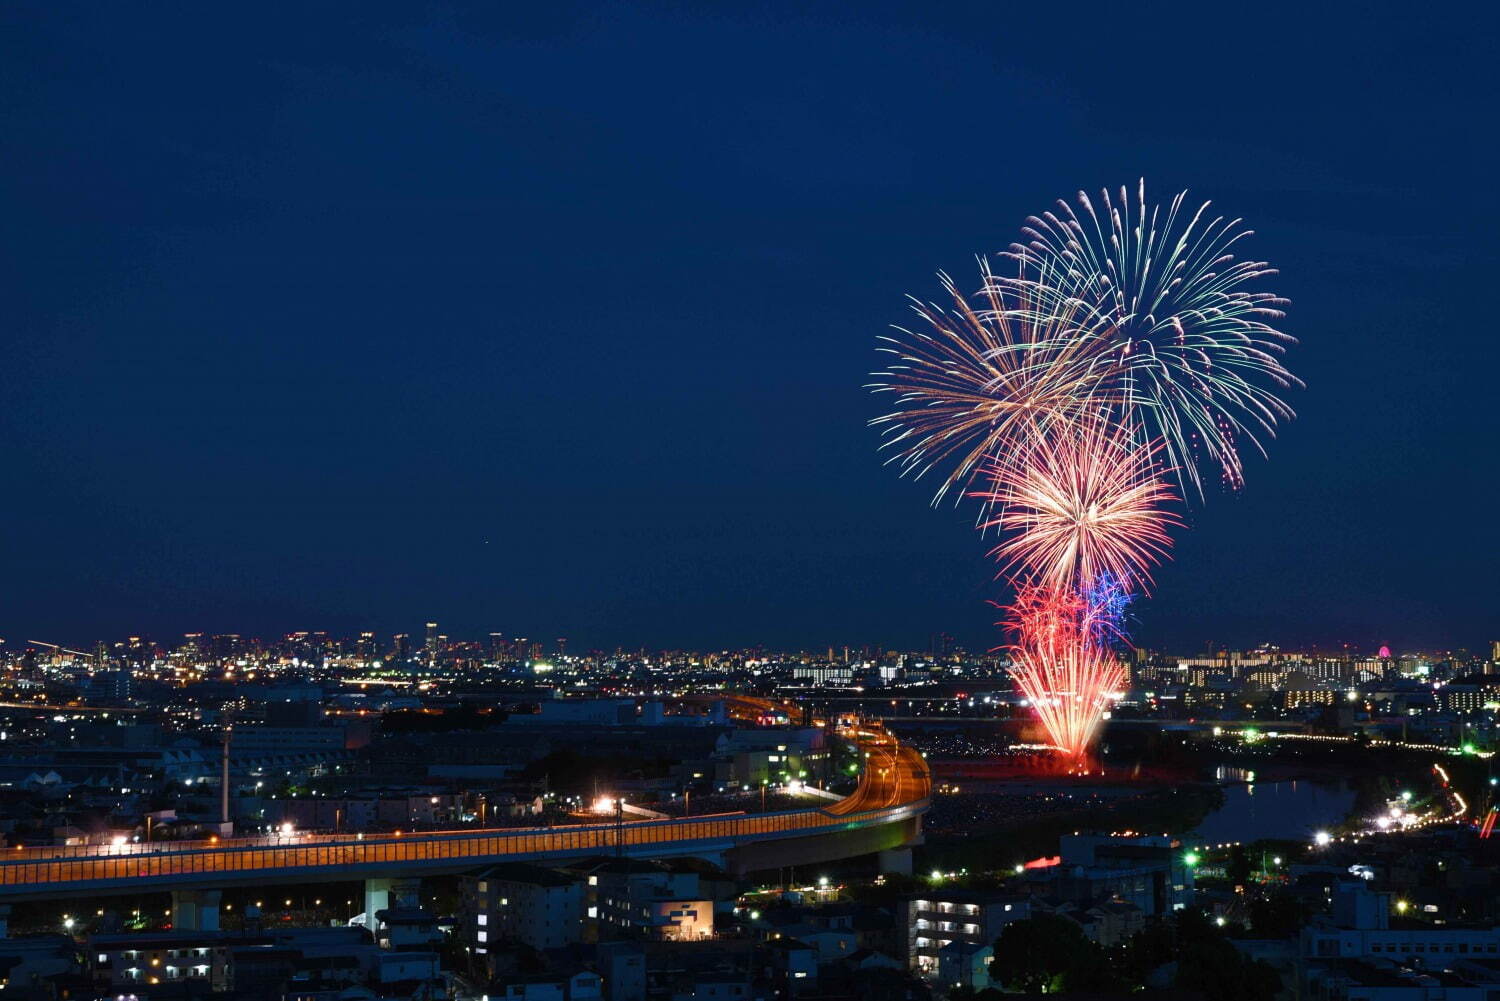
(1169, 327)
(987, 370)
(1128, 345)
(1062, 661)
(1080, 503)
(1109, 601)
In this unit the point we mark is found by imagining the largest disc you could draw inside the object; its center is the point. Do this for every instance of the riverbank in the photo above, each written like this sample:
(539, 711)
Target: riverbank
(1015, 835)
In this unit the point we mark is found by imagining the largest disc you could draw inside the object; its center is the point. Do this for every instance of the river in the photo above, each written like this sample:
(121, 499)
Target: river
(1293, 809)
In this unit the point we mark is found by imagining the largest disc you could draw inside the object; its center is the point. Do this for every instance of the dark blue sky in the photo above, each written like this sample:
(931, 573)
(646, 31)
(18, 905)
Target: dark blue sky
(350, 316)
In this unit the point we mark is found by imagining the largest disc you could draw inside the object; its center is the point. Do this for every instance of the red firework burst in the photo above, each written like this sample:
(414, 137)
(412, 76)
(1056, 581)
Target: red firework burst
(1061, 659)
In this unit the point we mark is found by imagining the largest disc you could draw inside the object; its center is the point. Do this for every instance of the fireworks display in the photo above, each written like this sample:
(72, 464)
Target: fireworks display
(1124, 351)
(1178, 344)
(976, 375)
(1062, 660)
(1079, 503)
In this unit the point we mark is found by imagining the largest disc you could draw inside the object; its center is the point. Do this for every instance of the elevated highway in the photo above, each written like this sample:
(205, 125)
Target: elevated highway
(882, 814)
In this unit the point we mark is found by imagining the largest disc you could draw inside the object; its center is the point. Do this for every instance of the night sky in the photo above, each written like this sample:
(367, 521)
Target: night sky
(555, 323)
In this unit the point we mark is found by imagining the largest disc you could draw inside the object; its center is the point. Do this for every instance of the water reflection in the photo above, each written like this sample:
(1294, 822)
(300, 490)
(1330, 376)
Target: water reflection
(1291, 809)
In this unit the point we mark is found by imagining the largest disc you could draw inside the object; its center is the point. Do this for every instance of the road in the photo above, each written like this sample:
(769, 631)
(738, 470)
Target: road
(894, 786)
(894, 774)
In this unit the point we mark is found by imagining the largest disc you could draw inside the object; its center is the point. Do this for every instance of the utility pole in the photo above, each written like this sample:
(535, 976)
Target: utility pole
(226, 826)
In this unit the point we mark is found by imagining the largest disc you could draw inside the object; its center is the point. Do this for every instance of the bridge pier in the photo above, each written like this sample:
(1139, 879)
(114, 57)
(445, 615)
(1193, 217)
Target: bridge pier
(895, 862)
(386, 894)
(195, 910)
(4, 921)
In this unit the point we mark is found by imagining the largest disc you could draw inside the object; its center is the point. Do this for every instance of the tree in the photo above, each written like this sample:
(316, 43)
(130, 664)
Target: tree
(1220, 971)
(1152, 947)
(965, 993)
(1276, 916)
(1239, 866)
(1046, 954)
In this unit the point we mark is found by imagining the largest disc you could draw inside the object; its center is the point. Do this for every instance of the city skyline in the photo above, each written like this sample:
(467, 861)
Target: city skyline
(621, 502)
(435, 637)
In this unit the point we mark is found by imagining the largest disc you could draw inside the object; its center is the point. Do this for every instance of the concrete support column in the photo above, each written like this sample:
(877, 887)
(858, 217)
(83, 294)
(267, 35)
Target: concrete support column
(4, 921)
(195, 910)
(896, 862)
(388, 894)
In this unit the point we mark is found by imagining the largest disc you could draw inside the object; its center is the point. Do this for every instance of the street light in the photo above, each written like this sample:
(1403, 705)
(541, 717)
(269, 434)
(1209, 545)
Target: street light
(1322, 838)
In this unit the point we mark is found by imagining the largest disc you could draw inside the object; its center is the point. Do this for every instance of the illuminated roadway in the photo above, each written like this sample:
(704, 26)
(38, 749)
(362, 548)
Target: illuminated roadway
(894, 775)
(884, 812)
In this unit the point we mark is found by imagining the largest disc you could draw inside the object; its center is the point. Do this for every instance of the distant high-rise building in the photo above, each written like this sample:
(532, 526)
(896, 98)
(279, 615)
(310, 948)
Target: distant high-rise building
(497, 646)
(365, 649)
(112, 687)
(1495, 651)
(402, 648)
(432, 639)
